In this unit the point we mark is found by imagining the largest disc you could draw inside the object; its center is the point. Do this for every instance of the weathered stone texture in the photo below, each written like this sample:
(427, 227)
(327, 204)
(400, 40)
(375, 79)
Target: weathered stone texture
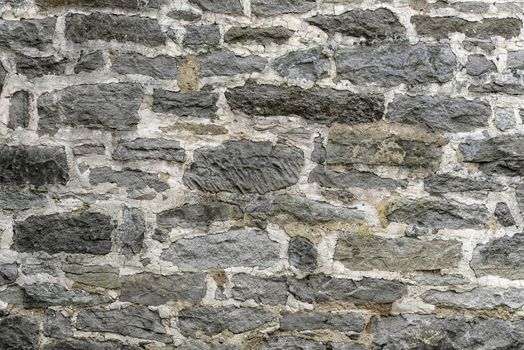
(198, 215)
(56, 325)
(8, 273)
(160, 67)
(226, 63)
(19, 333)
(309, 64)
(202, 36)
(154, 148)
(35, 67)
(279, 7)
(327, 177)
(130, 178)
(89, 61)
(259, 35)
(231, 7)
(20, 110)
(478, 298)
(272, 291)
(302, 321)
(27, 33)
(52, 294)
(302, 254)
(104, 276)
(196, 104)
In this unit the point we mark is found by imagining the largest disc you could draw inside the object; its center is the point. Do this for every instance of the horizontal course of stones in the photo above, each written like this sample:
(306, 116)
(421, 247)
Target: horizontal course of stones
(261, 174)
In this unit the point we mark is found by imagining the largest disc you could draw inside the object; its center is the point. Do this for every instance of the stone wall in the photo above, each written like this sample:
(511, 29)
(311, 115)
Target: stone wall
(261, 174)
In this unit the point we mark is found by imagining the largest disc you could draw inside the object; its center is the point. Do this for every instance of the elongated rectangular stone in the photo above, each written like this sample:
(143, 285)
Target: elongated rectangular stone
(304, 321)
(160, 67)
(194, 104)
(481, 298)
(149, 148)
(27, 33)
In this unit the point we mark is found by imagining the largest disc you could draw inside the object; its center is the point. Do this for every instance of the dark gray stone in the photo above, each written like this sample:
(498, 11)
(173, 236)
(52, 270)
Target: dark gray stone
(27, 33)
(412, 331)
(438, 213)
(88, 344)
(262, 35)
(133, 321)
(376, 24)
(19, 109)
(56, 325)
(200, 345)
(202, 36)
(483, 298)
(18, 199)
(226, 63)
(270, 8)
(441, 27)
(244, 167)
(130, 178)
(89, 149)
(230, 7)
(149, 148)
(198, 215)
(291, 342)
(89, 61)
(322, 288)
(326, 177)
(88, 233)
(302, 254)
(318, 155)
(479, 64)
(440, 113)
(510, 85)
(368, 252)
(33, 165)
(433, 278)
(43, 294)
(3, 74)
(184, 15)
(448, 183)
(160, 67)
(130, 234)
(503, 256)
(308, 64)
(81, 28)
(36, 67)
(103, 276)
(310, 320)
(151, 289)
(121, 4)
(503, 214)
(8, 273)
(484, 44)
(515, 59)
(19, 333)
(214, 320)
(224, 250)
(320, 105)
(393, 64)
(111, 106)
(268, 291)
(195, 103)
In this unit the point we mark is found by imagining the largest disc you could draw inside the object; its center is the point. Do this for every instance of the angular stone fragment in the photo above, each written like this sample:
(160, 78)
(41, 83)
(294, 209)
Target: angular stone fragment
(479, 64)
(269, 291)
(438, 213)
(51, 294)
(244, 167)
(17, 199)
(496, 155)
(111, 106)
(89, 149)
(310, 320)
(130, 234)
(19, 109)
(326, 177)
(503, 256)
(515, 59)
(478, 298)
(505, 119)
(226, 63)
(197, 215)
(81, 28)
(322, 288)
(383, 144)
(320, 105)
(184, 15)
(89, 61)
(133, 321)
(224, 250)
(441, 27)
(202, 36)
(130, 178)
(308, 64)
(214, 320)
(429, 332)
(230, 7)
(503, 214)
(269, 8)
(262, 35)
(160, 67)
(27, 33)
(448, 183)
(440, 113)
(103, 276)
(510, 84)
(19, 333)
(302, 254)
(149, 148)
(196, 103)
(87, 233)
(365, 252)
(35, 67)
(33, 165)
(8, 273)
(151, 289)
(393, 64)
(376, 24)
(56, 325)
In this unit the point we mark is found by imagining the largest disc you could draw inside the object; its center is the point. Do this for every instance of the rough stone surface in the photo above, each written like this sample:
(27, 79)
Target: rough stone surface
(324, 106)
(155, 148)
(226, 63)
(244, 167)
(302, 254)
(327, 177)
(89, 61)
(202, 36)
(359, 252)
(505, 119)
(479, 64)
(56, 325)
(309, 64)
(19, 110)
(195, 104)
(8, 273)
(52, 294)
(21, 199)
(272, 291)
(230, 7)
(279, 7)
(103, 276)
(27, 33)
(132, 179)
(130, 234)
(503, 214)
(261, 35)
(301, 321)
(198, 215)
(19, 333)
(35, 67)
(478, 298)
(448, 183)
(160, 67)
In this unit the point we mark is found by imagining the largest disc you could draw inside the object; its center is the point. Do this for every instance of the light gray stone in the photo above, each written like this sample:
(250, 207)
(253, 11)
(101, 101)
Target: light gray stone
(479, 64)
(51, 294)
(311, 320)
(269, 291)
(449, 183)
(269, 8)
(8, 273)
(479, 298)
(103, 276)
(326, 177)
(14, 199)
(505, 119)
(130, 234)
